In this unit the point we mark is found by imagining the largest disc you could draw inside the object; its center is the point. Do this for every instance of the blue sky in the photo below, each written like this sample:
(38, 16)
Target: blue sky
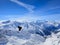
(31, 9)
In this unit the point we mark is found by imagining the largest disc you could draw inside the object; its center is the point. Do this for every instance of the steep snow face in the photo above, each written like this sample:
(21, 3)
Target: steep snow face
(32, 33)
(53, 39)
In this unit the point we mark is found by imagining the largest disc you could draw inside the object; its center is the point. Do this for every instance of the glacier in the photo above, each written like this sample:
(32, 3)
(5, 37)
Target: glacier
(33, 33)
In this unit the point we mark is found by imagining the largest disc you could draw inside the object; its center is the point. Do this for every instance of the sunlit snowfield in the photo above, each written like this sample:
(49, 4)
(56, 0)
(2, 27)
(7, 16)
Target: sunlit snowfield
(32, 33)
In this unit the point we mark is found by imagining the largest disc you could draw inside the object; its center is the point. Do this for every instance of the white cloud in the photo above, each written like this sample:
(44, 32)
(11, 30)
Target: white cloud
(27, 6)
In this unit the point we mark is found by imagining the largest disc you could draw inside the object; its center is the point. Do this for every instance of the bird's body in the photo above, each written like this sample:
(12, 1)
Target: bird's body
(19, 28)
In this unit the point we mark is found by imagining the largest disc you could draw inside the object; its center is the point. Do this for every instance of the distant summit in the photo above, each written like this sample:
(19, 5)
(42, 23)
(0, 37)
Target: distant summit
(8, 21)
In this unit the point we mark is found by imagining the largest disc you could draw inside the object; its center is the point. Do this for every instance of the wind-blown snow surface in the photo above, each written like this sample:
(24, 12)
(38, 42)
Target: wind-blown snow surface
(32, 33)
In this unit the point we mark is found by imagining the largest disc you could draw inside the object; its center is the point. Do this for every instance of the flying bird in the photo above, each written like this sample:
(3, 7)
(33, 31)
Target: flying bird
(19, 27)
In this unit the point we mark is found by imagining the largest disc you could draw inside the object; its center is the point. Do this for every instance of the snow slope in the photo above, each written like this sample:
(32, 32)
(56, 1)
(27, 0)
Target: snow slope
(33, 33)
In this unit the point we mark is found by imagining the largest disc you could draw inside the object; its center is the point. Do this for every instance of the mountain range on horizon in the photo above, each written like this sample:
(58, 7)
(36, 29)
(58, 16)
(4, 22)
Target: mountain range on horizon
(39, 30)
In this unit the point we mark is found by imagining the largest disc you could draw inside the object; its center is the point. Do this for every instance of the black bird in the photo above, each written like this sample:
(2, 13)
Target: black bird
(19, 27)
